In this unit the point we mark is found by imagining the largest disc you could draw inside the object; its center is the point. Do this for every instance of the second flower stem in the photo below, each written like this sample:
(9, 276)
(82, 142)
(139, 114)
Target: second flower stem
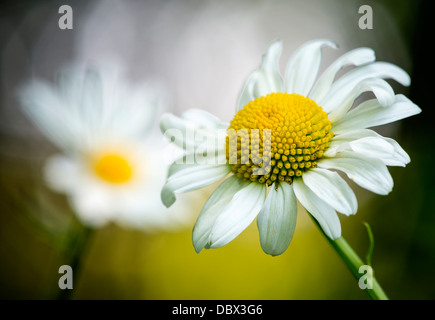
(78, 244)
(354, 262)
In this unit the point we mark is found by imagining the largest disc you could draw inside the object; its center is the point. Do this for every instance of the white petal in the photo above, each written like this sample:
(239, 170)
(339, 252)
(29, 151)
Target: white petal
(337, 108)
(92, 204)
(212, 208)
(81, 92)
(238, 214)
(88, 103)
(320, 210)
(180, 164)
(131, 111)
(399, 157)
(41, 103)
(270, 79)
(384, 149)
(340, 141)
(369, 143)
(348, 81)
(91, 104)
(369, 173)
(70, 85)
(370, 113)
(248, 92)
(355, 57)
(192, 129)
(201, 118)
(142, 208)
(351, 135)
(264, 80)
(90, 199)
(277, 219)
(191, 178)
(179, 131)
(61, 173)
(332, 189)
(303, 66)
(194, 160)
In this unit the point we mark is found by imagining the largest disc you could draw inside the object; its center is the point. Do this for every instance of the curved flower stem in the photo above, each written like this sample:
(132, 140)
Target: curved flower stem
(354, 262)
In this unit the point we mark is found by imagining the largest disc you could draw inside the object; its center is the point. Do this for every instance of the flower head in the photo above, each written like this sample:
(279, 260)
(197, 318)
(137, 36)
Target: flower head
(287, 139)
(110, 161)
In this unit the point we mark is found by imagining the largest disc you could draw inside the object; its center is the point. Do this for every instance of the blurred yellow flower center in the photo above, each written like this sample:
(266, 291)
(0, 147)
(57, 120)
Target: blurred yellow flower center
(113, 168)
(278, 137)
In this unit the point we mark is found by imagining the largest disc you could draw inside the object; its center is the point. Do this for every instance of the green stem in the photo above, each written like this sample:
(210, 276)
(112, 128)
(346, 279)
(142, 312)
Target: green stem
(77, 248)
(354, 262)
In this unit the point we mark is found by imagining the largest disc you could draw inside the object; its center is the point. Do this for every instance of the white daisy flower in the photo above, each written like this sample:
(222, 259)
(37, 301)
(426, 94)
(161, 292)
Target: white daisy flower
(111, 162)
(286, 140)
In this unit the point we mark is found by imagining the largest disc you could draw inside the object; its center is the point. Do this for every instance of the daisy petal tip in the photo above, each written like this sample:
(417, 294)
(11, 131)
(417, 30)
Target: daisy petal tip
(199, 239)
(407, 80)
(327, 43)
(167, 197)
(197, 249)
(165, 115)
(273, 253)
(198, 245)
(365, 54)
(399, 74)
(276, 255)
(277, 45)
(350, 211)
(333, 44)
(370, 54)
(389, 190)
(335, 236)
(165, 121)
(353, 207)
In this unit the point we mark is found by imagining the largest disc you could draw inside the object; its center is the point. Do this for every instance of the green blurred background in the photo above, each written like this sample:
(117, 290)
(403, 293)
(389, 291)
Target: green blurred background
(121, 263)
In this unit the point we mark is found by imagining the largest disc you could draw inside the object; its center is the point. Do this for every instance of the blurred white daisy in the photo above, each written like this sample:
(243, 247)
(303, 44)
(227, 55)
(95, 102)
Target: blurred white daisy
(112, 163)
(288, 135)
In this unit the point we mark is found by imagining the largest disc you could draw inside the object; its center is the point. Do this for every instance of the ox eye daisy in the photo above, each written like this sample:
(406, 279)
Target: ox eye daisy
(103, 130)
(286, 136)
(289, 136)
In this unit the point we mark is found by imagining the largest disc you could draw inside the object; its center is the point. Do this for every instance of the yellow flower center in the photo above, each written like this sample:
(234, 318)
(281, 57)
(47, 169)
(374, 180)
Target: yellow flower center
(113, 168)
(277, 137)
